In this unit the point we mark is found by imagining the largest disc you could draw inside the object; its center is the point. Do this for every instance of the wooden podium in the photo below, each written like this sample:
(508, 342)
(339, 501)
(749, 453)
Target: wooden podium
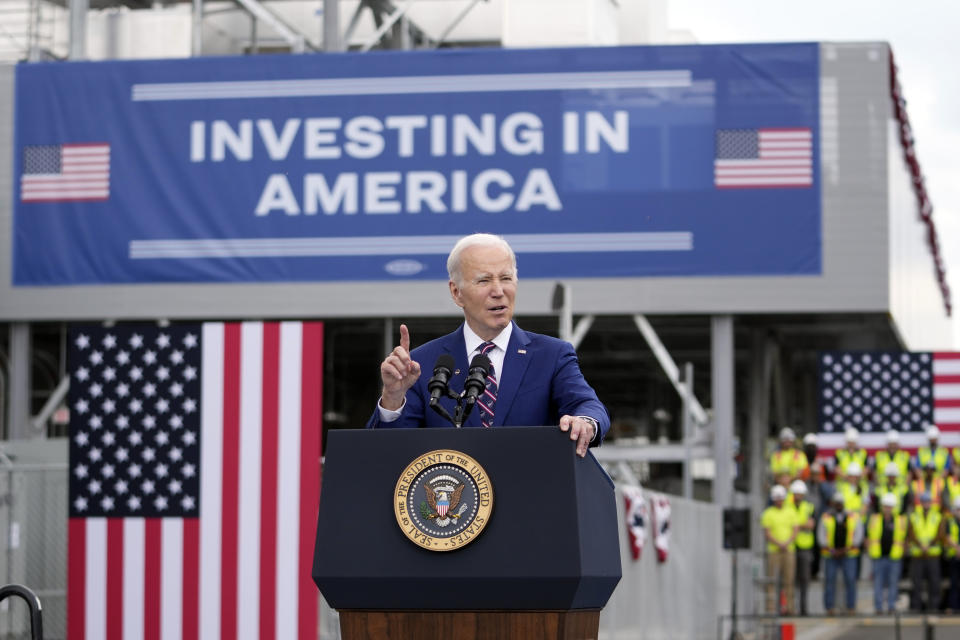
(542, 568)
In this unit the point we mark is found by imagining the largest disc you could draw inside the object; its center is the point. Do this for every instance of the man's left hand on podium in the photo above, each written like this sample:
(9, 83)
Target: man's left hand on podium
(581, 429)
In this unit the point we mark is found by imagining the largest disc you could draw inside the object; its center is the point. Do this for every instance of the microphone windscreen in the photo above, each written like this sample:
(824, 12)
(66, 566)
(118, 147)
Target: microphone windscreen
(445, 361)
(482, 361)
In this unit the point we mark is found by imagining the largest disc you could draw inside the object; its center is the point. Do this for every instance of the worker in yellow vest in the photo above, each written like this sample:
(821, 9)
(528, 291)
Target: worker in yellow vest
(893, 453)
(886, 536)
(850, 453)
(952, 488)
(805, 532)
(855, 490)
(951, 548)
(890, 481)
(779, 524)
(940, 456)
(925, 534)
(840, 535)
(928, 483)
(788, 460)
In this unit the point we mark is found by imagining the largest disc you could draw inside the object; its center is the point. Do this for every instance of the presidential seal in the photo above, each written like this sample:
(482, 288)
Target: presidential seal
(443, 500)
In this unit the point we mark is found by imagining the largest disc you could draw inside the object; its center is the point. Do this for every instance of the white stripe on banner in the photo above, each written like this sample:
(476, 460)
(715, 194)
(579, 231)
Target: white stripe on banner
(946, 391)
(288, 479)
(211, 487)
(946, 415)
(96, 580)
(134, 536)
(171, 579)
(587, 80)
(248, 529)
(946, 367)
(405, 245)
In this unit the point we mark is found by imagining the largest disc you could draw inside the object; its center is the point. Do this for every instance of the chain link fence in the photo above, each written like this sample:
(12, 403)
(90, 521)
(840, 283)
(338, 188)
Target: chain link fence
(33, 550)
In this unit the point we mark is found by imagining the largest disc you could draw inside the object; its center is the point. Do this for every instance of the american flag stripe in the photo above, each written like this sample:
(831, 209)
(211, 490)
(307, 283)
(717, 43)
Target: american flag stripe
(240, 570)
(84, 174)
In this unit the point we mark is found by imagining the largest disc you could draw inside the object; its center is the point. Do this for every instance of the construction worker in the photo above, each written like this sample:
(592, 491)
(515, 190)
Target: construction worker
(851, 452)
(929, 483)
(886, 535)
(893, 453)
(779, 524)
(951, 551)
(933, 451)
(805, 538)
(840, 535)
(953, 484)
(890, 481)
(925, 533)
(854, 490)
(788, 460)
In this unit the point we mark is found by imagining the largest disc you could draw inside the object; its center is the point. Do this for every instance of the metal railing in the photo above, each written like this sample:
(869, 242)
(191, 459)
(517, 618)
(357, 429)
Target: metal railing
(775, 627)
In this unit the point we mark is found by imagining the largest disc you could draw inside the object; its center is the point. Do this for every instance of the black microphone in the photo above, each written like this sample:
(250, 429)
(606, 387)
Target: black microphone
(441, 377)
(475, 383)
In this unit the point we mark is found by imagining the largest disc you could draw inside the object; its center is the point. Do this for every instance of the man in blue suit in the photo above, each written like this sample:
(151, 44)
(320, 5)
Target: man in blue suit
(535, 379)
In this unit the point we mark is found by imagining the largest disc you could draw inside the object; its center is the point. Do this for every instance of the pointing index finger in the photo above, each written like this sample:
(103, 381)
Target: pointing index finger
(405, 338)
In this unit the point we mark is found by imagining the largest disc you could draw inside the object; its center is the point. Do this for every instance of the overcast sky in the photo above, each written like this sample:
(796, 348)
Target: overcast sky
(926, 47)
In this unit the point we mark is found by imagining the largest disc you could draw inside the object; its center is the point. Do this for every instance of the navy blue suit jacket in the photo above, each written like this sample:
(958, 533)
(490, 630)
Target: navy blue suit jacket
(541, 381)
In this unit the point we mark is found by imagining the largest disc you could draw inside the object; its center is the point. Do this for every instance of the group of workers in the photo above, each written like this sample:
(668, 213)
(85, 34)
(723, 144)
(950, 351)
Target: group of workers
(901, 511)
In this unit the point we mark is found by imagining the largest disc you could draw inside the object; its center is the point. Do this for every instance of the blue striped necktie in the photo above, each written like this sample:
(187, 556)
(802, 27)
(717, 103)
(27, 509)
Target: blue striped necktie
(489, 400)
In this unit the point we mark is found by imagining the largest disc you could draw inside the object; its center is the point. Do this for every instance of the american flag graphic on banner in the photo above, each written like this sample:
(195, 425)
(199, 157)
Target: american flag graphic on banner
(876, 391)
(754, 158)
(65, 172)
(194, 480)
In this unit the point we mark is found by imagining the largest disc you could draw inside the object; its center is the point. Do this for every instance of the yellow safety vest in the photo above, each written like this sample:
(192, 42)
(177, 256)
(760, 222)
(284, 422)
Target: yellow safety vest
(900, 489)
(883, 458)
(953, 534)
(926, 528)
(830, 525)
(845, 457)
(852, 496)
(779, 521)
(956, 455)
(789, 461)
(804, 513)
(940, 457)
(919, 487)
(875, 532)
(953, 489)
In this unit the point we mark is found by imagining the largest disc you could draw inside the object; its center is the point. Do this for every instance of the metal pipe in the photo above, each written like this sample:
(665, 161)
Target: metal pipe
(456, 21)
(387, 24)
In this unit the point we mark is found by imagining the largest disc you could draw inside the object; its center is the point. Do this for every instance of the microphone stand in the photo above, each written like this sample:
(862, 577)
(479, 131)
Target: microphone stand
(436, 406)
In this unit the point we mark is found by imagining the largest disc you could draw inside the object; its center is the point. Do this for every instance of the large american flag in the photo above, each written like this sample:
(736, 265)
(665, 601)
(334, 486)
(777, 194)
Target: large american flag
(879, 391)
(754, 158)
(194, 480)
(65, 172)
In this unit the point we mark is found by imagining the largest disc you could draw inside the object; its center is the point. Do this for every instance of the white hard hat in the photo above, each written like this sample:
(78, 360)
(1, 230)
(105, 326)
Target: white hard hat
(810, 438)
(778, 492)
(851, 434)
(854, 469)
(798, 486)
(932, 432)
(893, 436)
(892, 469)
(787, 434)
(888, 500)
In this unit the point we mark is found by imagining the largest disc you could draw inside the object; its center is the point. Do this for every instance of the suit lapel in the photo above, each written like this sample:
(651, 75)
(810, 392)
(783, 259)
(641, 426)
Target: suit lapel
(515, 364)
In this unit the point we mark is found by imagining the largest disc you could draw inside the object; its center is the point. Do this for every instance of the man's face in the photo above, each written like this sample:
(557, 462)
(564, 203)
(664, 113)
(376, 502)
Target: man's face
(487, 291)
(892, 447)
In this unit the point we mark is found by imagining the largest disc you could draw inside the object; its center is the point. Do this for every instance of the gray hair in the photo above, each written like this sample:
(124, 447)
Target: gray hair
(475, 240)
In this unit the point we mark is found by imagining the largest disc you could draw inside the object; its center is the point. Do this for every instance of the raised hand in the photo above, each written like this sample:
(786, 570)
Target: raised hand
(399, 372)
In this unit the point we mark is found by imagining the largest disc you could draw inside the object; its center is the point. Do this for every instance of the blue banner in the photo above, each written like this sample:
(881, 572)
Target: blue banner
(599, 162)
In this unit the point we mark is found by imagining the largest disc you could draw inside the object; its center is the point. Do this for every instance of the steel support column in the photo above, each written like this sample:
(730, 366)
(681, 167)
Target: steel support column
(78, 29)
(331, 26)
(18, 410)
(722, 379)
